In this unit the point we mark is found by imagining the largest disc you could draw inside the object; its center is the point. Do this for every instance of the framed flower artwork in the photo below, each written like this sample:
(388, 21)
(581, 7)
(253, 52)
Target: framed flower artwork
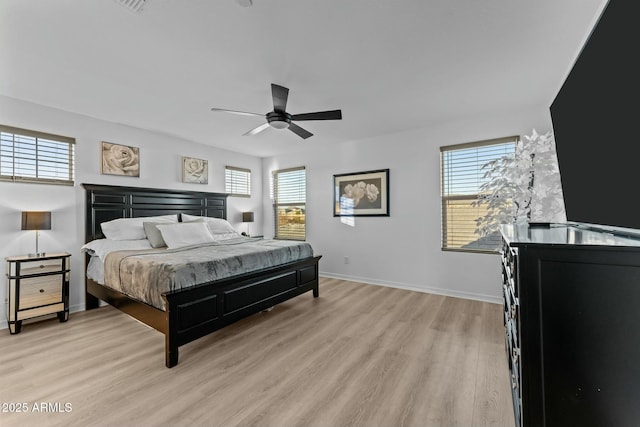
(195, 170)
(120, 160)
(361, 193)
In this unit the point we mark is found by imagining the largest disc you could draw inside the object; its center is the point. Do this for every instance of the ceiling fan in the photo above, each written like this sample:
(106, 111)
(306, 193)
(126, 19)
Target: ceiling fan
(280, 119)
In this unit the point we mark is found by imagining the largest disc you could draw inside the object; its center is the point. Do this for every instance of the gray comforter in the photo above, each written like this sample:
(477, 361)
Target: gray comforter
(146, 274)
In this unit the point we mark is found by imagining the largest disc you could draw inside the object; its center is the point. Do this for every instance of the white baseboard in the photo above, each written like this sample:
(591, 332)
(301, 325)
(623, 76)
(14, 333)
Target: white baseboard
(408, 287)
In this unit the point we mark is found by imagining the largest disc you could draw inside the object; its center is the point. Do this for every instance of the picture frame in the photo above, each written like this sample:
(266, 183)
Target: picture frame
(117, 159)
(361, 193)
(194, 170)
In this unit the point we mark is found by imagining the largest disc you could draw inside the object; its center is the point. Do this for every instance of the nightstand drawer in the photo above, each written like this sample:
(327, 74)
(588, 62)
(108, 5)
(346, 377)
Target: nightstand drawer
(37, 291)
(40, 266)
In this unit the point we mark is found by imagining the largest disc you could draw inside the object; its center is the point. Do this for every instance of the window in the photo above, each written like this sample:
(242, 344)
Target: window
(462, 177)
(289, 203)
(237, 181)
(30, 156)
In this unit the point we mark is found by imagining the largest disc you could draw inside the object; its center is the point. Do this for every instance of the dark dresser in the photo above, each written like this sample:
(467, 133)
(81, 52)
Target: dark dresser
(572, 325)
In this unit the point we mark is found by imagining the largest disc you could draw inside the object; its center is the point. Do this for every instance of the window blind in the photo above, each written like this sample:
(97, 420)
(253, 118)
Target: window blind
(30, 156)
(289, 203)
(237, 181)
(462, 177)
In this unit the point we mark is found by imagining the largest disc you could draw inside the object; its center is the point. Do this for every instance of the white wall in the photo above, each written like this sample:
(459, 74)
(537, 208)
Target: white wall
(160, 167)
(402, 250)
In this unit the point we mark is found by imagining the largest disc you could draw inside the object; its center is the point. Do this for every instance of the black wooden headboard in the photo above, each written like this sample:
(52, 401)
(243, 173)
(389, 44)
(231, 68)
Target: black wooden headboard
(107, 202)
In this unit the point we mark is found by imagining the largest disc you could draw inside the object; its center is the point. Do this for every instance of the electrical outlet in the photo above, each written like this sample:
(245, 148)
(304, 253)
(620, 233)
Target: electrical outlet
(346, 260)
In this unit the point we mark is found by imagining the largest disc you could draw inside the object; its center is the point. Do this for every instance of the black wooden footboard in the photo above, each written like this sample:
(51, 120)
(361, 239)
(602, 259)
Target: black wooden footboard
(198, 311)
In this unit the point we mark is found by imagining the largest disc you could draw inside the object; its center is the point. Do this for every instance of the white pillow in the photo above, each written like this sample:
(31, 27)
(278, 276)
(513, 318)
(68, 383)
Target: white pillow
(185, 234)
(132, 228)
(216, 225)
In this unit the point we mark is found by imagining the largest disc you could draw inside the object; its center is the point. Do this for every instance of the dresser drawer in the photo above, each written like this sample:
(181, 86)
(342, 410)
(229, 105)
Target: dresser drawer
(38, 291)
(28, 268)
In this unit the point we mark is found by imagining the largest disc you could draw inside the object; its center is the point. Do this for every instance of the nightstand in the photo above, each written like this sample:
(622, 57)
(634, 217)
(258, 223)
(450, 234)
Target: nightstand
(37, 286)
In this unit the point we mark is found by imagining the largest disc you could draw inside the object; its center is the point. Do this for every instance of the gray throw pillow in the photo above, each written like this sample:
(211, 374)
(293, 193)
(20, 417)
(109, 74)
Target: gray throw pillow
(153, 234)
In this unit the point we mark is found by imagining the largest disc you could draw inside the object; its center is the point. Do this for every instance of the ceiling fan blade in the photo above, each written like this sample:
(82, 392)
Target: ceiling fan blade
(244, 113)
(280, 95)
(256, 130)
(320, 115)
(302, 133)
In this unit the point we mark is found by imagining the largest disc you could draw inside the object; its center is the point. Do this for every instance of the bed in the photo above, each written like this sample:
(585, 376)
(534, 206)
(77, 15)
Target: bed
(193, 311)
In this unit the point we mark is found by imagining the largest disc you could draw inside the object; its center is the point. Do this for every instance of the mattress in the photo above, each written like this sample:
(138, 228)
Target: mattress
(146, 274)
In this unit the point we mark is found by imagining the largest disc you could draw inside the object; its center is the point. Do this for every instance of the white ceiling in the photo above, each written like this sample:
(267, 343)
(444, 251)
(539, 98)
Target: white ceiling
(390, 65)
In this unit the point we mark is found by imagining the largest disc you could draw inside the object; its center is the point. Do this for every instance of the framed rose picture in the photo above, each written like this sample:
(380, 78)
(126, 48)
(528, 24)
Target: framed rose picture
(361, 193)
(195, 170)
(120, 160)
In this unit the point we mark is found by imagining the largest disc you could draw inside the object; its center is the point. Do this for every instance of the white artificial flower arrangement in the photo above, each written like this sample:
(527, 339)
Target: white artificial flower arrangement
(522, 188)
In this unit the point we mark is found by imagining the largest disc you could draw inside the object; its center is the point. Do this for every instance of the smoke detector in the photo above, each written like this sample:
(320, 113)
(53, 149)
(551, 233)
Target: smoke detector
(133, 5)
(245, 3)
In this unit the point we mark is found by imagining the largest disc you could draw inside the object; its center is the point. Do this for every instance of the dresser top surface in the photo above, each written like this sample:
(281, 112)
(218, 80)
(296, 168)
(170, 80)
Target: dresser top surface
(566, 234)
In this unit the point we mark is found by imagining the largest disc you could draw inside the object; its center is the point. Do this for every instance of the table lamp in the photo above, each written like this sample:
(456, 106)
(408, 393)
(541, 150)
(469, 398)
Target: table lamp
(36, 220)
(247, 217)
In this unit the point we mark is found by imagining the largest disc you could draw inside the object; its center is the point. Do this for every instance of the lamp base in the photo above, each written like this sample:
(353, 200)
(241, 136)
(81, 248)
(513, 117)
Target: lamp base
(36, 255)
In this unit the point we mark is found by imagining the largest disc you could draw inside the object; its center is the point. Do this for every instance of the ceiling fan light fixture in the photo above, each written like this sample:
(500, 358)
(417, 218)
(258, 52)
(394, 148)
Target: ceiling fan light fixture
(278, 119)
(278, 124)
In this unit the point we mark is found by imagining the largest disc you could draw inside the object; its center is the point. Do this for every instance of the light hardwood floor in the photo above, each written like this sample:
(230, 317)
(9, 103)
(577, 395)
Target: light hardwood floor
(360, 355)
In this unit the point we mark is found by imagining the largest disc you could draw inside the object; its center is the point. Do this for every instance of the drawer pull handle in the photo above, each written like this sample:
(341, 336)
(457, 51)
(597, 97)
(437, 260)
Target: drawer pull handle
(41, 291)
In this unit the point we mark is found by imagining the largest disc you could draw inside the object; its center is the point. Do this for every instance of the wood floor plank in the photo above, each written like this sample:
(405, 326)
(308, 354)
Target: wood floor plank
(360, 355)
